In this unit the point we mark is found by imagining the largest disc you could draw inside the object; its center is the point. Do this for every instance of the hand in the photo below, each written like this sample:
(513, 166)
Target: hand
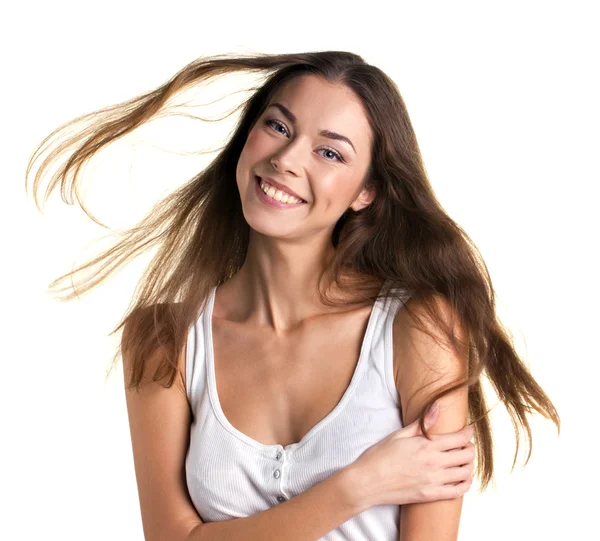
(406, 467)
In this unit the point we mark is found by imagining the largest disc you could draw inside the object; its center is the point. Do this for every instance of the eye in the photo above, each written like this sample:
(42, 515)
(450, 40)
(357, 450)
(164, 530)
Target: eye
(335, 152)
(273, 122)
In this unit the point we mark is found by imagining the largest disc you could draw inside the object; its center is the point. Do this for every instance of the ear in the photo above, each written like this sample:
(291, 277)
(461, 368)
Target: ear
(365, 197)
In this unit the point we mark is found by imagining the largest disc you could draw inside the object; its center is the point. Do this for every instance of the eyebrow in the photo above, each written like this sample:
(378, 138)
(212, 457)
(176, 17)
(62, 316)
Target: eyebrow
(326, 133)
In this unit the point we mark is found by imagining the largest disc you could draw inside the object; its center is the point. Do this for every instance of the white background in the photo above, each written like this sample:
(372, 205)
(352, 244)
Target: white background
(503, 97)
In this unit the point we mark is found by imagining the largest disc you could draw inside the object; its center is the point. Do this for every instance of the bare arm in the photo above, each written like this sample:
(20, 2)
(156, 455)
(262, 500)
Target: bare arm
(423, 362)
(306, 517)
(159, 423)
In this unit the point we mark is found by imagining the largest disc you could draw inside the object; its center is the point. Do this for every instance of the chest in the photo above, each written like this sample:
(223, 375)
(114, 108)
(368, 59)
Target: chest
(276, 389)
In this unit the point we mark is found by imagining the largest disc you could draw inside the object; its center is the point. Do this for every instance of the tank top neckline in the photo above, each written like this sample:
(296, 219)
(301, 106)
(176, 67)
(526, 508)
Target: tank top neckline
(214, 397)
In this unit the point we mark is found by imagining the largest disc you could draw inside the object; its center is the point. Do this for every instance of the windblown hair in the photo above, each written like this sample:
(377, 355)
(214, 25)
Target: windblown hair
(403, 237)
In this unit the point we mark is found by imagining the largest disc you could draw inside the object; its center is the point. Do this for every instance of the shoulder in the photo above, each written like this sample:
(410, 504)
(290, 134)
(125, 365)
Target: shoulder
(422, 326)
(147, 340)
(425, 361)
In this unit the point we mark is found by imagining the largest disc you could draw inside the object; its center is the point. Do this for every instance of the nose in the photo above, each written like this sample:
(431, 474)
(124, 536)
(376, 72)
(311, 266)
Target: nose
(286, 160)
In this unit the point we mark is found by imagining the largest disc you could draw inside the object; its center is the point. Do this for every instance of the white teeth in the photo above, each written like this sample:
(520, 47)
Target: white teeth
(278, 195)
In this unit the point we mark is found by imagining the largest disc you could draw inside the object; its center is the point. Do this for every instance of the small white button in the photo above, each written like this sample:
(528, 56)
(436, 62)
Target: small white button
(278, 455)
(276, 474)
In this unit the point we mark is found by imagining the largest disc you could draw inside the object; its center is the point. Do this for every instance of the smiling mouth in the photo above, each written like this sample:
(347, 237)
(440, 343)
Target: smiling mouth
(258, 181)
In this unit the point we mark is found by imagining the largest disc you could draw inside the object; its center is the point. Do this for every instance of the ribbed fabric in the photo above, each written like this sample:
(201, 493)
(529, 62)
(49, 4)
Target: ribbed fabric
(229, 475)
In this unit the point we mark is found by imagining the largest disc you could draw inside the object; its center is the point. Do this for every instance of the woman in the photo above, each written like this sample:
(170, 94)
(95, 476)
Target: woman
(310, 301)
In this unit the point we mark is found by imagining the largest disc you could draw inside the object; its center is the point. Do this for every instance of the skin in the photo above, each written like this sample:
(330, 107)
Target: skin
(274, 295)
(276, 287)
(268, 316)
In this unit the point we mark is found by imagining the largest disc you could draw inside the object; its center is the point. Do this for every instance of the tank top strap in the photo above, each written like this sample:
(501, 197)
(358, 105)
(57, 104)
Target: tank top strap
(394, 298)
(195, 358)
(381, 358)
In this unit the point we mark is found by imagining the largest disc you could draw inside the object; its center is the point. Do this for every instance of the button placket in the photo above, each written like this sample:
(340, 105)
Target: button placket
(277, 474)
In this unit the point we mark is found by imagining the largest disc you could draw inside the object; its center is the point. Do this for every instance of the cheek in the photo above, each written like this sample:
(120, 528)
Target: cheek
(336, 191)
(250, 154)
(255, 142)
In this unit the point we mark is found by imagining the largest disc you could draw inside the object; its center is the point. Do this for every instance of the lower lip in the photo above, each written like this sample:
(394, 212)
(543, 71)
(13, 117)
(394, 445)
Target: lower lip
(270, 201)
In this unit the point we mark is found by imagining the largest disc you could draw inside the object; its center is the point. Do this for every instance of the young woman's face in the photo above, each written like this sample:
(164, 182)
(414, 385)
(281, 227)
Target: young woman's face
(325, 173)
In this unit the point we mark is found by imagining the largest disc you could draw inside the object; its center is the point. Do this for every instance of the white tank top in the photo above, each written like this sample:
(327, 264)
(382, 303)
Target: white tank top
(230, 475)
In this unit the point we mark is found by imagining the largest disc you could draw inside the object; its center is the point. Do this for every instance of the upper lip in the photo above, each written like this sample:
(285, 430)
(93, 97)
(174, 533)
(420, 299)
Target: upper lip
(281, 187)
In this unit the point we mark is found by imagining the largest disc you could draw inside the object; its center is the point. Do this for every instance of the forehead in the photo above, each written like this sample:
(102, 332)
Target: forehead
(321, 105)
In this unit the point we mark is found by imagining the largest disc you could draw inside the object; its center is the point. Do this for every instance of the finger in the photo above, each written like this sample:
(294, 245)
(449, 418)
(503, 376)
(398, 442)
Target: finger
(458, 457)
(413, 429)
(432, 415)
(453, 440)
(457, 474)
(451, 492)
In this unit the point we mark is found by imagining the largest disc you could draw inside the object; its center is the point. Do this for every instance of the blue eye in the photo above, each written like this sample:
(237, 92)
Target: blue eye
(277, 123)
(337, 155)
(272, 121)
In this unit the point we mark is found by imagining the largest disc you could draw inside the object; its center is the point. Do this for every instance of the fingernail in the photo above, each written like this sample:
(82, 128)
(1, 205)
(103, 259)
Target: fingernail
(433, 409)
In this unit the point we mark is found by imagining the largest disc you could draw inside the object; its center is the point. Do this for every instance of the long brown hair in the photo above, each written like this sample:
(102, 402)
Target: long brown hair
(404, 237)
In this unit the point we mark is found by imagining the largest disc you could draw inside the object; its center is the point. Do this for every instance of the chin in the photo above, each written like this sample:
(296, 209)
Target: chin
(259, 222)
